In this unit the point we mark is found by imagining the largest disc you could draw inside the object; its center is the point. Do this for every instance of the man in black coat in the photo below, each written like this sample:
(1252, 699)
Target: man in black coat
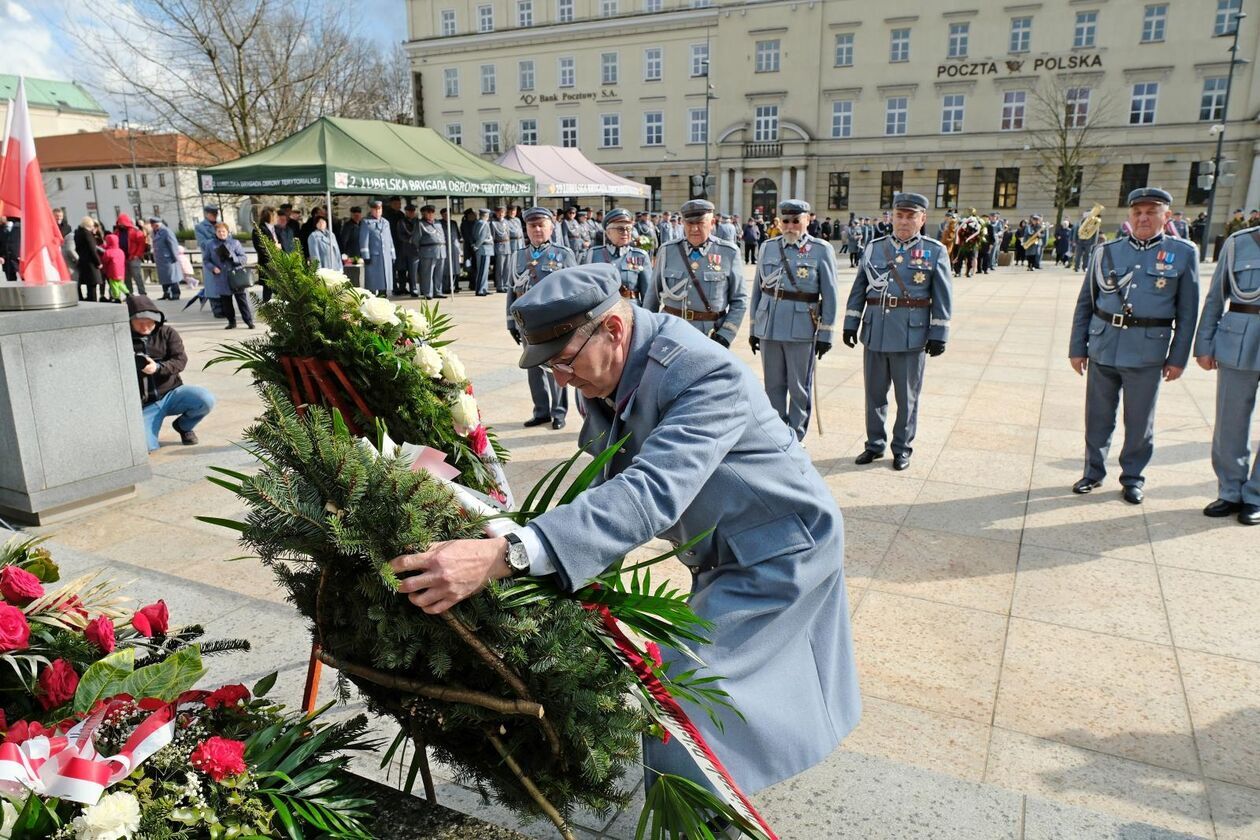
(10, 247)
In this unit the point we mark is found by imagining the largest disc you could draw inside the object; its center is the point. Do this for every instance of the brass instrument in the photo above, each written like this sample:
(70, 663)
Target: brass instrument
(1091, 224)
(1032, 238)
(949, 236)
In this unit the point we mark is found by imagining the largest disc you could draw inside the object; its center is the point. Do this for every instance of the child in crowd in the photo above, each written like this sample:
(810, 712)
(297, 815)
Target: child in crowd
(114, 267)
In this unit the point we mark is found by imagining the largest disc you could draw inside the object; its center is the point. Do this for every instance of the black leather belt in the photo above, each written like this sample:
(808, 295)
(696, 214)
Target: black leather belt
(694, 314)
(1248, 308)
(899, 303)
(783, 294)
(1119, 319)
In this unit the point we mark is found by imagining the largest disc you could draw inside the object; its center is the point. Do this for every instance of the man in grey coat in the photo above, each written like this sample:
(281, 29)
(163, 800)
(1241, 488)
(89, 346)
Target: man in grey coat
(432, 239)
(704, 451)
(483, 253)
(1137, 289)
(376, 246)
(794, 312)
(166, 258)
(1228, 342)
(501, 232)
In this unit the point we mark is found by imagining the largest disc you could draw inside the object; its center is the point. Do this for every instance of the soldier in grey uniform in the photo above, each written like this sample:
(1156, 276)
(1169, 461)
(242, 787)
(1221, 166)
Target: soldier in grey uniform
(726, 230)
(570, 231)
(483, 251)
(1034, 249)
(516, 230)
(700, 278)
(1138, 288)
(643, 227)
(501, 232)
(530, 266)
(794, 312)
(432, 240)
(585, 236)
(902, 300)
(1228, 342)
(634, 264)
(376, 245)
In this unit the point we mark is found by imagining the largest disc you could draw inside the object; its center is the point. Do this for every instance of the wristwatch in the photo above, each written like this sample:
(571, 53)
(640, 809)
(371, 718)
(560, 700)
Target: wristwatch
(517, 558)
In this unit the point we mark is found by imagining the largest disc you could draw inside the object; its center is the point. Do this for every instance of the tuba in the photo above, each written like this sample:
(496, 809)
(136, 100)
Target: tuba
(1090, 224)
(1031, 239)
(949, 236)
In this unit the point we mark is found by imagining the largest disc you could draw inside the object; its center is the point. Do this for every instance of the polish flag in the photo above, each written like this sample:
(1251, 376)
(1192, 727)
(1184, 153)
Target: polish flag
(41, 239)
(9, 199)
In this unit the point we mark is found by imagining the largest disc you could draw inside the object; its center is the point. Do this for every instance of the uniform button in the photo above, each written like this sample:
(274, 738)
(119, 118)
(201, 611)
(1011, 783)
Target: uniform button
(691, 553)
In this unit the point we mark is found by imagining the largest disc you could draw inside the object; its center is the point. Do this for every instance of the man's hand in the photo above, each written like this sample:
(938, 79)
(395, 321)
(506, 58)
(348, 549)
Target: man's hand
(850, 338)
(149, 369)
(1207, 362)
(721, 339)
(216, 271)
(822, 348)
(1172, 373)
(1079, 364)
(754, 343)
(934, 347)
(451, 571)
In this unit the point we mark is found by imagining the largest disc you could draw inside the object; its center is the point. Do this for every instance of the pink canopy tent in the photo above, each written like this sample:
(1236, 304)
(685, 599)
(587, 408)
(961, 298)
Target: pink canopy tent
(561, 171)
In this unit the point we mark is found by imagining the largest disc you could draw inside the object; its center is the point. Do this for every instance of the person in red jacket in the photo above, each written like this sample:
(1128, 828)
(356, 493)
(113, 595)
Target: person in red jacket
(114, 266)
(134, 244)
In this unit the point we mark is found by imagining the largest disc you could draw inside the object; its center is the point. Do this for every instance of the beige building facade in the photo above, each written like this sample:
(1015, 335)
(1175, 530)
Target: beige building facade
(843, 102)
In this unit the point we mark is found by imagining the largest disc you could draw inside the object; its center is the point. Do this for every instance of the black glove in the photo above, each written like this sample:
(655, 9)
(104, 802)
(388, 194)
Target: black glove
(821, 348)
(516, 335)
(850, 338)
(935, 348)
(721, 339)
(754, 343)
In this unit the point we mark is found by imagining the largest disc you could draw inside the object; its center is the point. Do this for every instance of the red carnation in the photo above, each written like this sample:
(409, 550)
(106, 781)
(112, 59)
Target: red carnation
(468, 389)
(227, 696)
(57, 683)
(479, 440)
(100, 632)
(15, 633)
(19, 586)
(219, 757)
(151, 620)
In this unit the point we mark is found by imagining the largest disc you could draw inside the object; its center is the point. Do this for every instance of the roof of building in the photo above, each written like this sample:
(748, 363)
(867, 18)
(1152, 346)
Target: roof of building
(48, 93)
(114, 147)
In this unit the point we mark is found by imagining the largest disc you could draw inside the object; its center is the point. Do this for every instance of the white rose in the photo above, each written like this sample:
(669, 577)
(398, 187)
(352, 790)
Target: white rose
(464, 413)
(10, 817)
(429, 360)
(114, 817)
(414, 319)
(452, 367)
(378, 311)
(332, 279)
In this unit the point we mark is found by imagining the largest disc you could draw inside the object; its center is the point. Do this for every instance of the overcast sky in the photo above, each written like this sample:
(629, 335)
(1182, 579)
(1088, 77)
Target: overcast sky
(32, 42)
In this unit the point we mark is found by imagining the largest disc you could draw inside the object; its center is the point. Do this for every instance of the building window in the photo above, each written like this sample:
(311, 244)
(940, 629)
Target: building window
(766, 124)
(837, 191)
(113, 181)
(653, 6)
(952, 113)
(161, 179)
(844, 49)
(131, 183)
(697, 126)
(610, 131)
(448, 22)
(1226, 16)
(455, 133)
(59, 184)
(1006, 187)
(701, 4)
(487, 79)
(157, 210)
(896, 109)
(485, 18)
(699, 60)
(889, 186)
(946, 188)
(842, 118)
(654, 128)
(1014, 104)
(1194, 193)
(144, 181)
(959, 35)
(1021, 34)
(1154, 20)
(529, 132)
(490, 138)
(1086, 30)
(652, 64)
(608, 72)
(569, 132)
(525, 74)
(899, 45)
(568, 72)
(524, 13)
(564, 11)
(1212, 105)
(1076, 107)
(87, 182)
(1133, 176)
(450, 82)
(608, 8)
(1142, 106)
(768, 56)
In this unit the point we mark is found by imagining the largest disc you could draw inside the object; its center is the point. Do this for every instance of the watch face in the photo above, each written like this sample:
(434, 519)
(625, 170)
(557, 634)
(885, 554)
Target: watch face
(516, 556)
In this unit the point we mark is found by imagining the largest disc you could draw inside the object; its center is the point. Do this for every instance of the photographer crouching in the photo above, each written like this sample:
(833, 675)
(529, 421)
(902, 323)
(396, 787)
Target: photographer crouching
(160, 357)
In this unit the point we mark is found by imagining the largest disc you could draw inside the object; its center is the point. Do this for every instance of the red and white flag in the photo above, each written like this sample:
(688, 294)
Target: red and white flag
(42, 261)
(10, 201)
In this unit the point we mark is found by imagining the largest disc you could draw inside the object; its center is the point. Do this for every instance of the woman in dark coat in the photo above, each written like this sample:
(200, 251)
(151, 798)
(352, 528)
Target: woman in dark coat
(265, 230)
(221, 257)
(89, 265)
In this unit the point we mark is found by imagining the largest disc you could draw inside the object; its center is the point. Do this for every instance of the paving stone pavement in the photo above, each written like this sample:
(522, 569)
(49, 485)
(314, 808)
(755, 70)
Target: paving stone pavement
(1033, 664)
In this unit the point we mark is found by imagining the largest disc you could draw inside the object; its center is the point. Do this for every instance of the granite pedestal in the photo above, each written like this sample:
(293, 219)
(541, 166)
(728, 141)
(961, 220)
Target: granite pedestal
(70, 423)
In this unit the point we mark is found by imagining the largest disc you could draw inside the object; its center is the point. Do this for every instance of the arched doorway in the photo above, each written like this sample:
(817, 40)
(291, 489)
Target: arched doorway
(765, 197)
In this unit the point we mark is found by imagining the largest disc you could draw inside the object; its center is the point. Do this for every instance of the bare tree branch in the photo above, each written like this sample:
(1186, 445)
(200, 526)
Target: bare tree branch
(1066, 136)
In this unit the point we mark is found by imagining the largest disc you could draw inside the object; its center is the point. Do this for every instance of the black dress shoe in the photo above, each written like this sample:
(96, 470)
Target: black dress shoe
(1221, 508)
(1249, 515)
(1132, 495)
(557, 424)
(1085, 486)
(534, 421)
(901, 462)
(866, 457)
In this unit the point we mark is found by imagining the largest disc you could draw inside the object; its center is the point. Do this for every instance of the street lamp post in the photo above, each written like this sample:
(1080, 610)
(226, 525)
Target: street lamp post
(1220, 137)
(708, 97)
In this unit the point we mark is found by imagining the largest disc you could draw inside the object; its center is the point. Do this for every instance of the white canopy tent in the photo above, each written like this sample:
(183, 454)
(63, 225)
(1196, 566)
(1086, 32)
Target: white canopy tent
(561, 172)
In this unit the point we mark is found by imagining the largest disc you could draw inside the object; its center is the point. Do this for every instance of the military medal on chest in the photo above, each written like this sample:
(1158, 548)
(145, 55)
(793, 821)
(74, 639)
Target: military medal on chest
(900, 259)
(920, 277)
(802, 272)
(715, 261)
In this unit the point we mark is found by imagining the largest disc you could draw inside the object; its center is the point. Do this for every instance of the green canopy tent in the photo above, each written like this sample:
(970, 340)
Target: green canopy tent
(338, 156)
